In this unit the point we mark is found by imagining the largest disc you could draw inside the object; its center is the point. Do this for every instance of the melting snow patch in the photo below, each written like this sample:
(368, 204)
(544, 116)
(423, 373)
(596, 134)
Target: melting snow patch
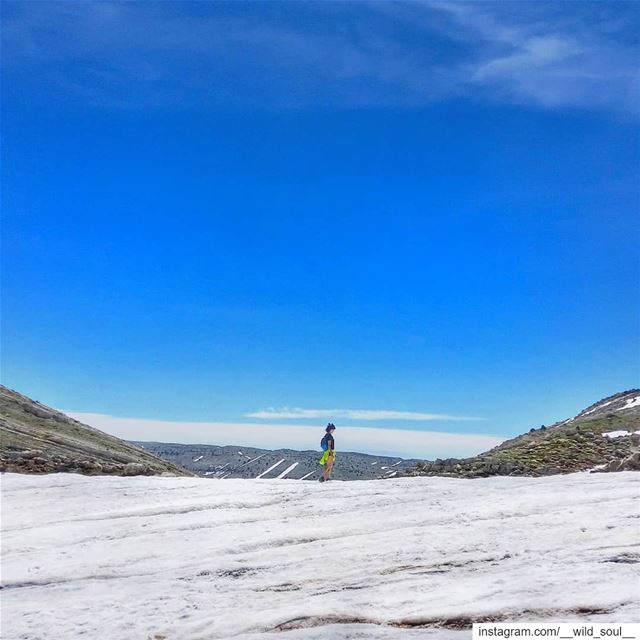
(631, 402)
(254, 459)
(271, 468)
(287, 470)
(599, 406)
(617, 434)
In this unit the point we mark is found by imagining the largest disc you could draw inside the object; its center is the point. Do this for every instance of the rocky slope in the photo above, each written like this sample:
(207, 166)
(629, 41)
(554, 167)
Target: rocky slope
(216, 462)
(605, 437)
(37, 439)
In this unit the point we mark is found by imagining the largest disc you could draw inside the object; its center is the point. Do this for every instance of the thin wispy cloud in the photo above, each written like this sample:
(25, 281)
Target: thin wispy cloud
(286, 413)
(392, 442)
(539, 56)
(344, 55)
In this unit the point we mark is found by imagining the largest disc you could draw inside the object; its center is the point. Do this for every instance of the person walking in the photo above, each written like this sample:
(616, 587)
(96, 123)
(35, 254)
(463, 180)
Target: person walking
(328, 446)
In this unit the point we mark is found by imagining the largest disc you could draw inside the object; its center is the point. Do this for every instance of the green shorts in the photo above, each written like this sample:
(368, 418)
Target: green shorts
(325, 456)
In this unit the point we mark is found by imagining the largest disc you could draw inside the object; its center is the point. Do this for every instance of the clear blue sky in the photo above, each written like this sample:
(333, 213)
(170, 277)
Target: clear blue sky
(212, 209)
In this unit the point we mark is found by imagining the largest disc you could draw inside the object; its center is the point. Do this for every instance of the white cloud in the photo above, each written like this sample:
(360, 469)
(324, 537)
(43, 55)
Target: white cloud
(353, 414)
(394, 442)
(540, 57)
(398, 54)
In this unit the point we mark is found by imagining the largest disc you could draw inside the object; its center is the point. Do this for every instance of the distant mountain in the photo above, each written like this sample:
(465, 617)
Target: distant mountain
(37, 439)
(216, 462)
(604, 436)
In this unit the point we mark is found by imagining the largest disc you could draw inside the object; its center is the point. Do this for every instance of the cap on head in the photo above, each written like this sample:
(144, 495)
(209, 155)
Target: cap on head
(330, 426)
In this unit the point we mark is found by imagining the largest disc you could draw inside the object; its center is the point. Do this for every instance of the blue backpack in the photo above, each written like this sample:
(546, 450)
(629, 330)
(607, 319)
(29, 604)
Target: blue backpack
(324, 443)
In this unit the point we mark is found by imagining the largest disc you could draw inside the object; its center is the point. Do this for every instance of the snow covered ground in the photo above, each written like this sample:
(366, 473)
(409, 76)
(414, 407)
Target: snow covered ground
(181, 558)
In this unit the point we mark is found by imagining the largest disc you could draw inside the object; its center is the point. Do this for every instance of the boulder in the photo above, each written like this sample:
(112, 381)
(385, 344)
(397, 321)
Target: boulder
(134, 469)
(631, 463)
(33, 453)
(38, 411)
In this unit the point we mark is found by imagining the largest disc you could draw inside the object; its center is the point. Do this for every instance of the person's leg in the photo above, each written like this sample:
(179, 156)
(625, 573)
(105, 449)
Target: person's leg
(328, 467)
(323, 462)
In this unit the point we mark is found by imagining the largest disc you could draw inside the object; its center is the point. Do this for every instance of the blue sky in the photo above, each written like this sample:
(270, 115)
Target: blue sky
(275, 212)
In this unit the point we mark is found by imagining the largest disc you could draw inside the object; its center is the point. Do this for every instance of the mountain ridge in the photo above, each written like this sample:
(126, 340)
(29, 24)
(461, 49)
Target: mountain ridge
(230, 461)
(38, 439)
(605, 436)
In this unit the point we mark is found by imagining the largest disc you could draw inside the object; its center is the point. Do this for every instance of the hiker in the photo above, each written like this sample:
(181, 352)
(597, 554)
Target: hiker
(329, 448)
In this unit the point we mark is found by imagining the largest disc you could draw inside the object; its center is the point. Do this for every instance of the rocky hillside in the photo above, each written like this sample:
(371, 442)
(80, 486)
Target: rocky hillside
(37, 439)
(605, 437)
(216, 462)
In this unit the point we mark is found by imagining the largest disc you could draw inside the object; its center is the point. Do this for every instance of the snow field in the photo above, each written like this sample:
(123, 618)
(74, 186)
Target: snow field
(196, 559)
